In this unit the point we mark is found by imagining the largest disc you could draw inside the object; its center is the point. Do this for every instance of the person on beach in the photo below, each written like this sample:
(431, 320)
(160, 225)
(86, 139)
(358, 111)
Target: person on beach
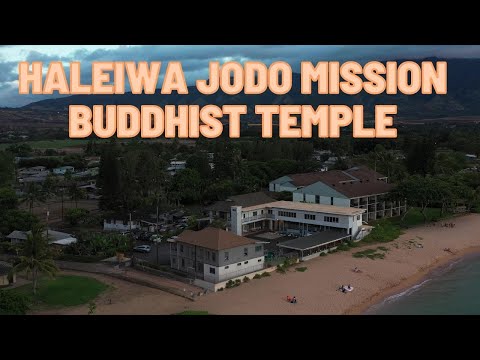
(294, 300)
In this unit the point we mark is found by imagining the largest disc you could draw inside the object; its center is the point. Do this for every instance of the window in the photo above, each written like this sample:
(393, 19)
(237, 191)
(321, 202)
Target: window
(270, 212)
(212, 270)
(258, 248)
(183, 262)
(304, 197)
(331, 219)
(199, 266)
(208, 255)
(226, 267)
(246, 262)
(309, 217)
(226, 255)
(331, 201)
(259, 260)
(254, 213)
(358, 217)
(317, 199)
(244, 216)
(213, 256)
(239, 264)
(261, 212)
(287, 214)
(245, 252)
(181, 248)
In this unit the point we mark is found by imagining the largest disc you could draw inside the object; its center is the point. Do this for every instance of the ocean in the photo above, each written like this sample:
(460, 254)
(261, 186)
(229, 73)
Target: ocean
(451, 290)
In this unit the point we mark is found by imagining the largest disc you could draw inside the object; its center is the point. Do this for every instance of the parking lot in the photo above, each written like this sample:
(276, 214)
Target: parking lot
(160, 253)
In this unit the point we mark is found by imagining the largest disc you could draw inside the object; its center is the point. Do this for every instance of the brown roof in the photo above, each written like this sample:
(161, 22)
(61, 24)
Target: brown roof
(213, 238)
(245, 200)
(354, 182)
(364, 188)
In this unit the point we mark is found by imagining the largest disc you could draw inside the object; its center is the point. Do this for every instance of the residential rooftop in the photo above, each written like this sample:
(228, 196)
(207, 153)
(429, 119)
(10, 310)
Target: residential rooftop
(214, 239)
(244, 200)
(355, 182)
(318, 208)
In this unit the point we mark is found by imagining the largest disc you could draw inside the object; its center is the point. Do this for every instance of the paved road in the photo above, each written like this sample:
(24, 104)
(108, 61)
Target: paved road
(161, 250)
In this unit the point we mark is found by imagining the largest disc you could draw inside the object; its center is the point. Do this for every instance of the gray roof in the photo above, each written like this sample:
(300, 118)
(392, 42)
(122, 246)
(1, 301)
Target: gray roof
(53, 235)
(308, 242)
(4, 268)
(16, 234)
(244, 200)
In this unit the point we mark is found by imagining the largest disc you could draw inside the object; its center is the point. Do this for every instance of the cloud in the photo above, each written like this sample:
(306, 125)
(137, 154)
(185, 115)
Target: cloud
(195, 58)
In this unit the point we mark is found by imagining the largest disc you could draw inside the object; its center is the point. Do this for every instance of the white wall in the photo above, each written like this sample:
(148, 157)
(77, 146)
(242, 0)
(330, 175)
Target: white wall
(214, 287)
(233, 270)
(118, 226)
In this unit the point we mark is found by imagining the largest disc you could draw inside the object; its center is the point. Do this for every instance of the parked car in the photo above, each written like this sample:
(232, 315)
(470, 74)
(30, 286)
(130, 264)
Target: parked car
(142, 248)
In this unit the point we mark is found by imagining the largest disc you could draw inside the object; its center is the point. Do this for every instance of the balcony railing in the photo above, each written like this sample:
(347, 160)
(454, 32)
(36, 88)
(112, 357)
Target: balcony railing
(257, 217)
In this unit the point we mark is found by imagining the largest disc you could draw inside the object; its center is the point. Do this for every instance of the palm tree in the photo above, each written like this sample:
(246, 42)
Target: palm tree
(33, 195)
(36, 258)
(75, 193)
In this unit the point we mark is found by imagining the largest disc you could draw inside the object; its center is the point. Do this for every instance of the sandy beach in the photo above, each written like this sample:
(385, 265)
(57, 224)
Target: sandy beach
(408, 259)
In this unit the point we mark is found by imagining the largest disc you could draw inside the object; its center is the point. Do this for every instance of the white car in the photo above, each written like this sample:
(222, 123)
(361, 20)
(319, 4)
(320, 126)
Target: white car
(142, 248)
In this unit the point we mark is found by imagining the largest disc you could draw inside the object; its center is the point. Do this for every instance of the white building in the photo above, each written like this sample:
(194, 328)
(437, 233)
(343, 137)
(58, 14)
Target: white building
(213, 256)
(63, 170)
(120, 225)
(298, 218)
(358, 187)
(176, 166)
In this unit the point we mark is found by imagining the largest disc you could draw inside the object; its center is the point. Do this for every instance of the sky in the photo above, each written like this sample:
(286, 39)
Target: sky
(195, 58)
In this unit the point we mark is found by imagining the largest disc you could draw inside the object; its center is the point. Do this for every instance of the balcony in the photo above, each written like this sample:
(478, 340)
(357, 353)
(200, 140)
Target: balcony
(257, 218)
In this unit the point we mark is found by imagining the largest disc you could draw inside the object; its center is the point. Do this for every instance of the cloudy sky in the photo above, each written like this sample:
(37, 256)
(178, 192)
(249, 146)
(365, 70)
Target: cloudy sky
(195, 58)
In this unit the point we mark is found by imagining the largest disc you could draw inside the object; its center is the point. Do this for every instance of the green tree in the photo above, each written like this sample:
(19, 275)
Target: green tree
(8, 199)
(199, 162)
(33, 195)
(189, 186)
(75, 193)
(14, 219)
(7, 169)
(109, 177)
(36, 258)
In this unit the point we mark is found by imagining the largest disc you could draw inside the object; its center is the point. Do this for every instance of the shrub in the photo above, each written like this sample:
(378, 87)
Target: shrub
(238, 282)
(12, 303)
(323, 254)
(221, 289)
(265, 274)
(281, 269)
(229, 284)
(301, 269)
(257, 276)
(246, 279)
(76, 216)
(344, 247)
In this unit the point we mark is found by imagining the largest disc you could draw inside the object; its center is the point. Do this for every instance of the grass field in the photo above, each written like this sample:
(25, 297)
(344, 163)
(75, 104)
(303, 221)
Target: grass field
(193, 312)
(65, 290)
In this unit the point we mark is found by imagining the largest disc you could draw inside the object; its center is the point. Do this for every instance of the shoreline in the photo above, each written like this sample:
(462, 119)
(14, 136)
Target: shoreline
(408, 260)
(423, 274)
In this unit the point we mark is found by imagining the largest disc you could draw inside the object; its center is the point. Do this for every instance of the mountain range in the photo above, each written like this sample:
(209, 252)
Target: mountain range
(462, 99)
